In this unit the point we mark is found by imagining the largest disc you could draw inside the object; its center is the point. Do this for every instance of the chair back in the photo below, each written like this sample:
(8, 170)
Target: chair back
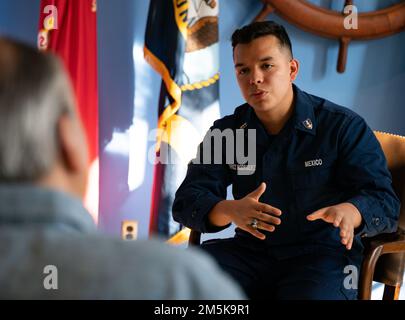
(390, 267)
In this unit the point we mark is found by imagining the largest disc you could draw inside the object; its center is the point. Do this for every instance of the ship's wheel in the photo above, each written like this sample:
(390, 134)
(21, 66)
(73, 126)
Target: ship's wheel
(331, 24)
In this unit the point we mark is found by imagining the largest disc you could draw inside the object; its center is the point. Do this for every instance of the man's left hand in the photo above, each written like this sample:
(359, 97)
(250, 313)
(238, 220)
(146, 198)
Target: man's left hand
(345, 216)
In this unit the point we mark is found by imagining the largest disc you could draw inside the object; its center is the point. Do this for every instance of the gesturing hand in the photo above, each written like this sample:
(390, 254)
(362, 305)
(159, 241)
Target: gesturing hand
(345, 216)
(245, 210)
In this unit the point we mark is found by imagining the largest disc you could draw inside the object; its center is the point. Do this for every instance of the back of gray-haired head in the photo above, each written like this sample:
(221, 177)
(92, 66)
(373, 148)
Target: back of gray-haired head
(34, 93)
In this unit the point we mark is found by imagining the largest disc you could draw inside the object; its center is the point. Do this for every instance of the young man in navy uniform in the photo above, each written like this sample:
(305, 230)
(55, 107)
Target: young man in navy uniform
(320, 182)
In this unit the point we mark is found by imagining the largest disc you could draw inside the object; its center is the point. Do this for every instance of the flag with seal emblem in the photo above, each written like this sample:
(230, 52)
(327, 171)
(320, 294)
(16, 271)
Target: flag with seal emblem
(181, 44)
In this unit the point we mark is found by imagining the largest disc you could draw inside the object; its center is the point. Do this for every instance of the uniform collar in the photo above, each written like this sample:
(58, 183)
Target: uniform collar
(304, 116)
(251, 121)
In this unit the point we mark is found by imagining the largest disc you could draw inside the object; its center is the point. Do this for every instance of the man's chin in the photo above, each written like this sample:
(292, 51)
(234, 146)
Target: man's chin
(260, 107)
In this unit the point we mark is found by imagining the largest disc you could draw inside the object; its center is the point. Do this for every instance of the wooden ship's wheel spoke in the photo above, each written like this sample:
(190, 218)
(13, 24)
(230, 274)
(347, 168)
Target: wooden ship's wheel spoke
(330, 24)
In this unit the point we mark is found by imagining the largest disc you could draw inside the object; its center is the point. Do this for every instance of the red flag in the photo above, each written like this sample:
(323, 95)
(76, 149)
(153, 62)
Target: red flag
(69, 28)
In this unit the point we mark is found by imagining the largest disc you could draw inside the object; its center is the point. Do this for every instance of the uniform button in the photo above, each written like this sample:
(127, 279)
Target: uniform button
(193, 213)
(376, 221)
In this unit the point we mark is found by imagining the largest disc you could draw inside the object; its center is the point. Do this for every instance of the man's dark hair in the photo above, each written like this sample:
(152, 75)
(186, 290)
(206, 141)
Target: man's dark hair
(256, 30)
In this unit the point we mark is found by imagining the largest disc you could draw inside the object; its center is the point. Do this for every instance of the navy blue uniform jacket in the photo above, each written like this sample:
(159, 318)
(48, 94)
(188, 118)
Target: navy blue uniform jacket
(325, 154)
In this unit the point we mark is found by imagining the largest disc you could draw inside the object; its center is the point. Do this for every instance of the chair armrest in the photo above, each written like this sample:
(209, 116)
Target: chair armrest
(195, 238)
(376, 247)
(391, 247)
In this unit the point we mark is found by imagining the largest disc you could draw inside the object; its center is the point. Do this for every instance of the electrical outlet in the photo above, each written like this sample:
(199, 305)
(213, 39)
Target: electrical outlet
(129, 229)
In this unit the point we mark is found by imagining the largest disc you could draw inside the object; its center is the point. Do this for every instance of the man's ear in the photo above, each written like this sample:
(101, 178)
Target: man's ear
(294, 68)
(73, 147)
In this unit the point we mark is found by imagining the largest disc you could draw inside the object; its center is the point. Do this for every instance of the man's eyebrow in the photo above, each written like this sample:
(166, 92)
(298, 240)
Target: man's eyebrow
(237, 65)
(266, 58)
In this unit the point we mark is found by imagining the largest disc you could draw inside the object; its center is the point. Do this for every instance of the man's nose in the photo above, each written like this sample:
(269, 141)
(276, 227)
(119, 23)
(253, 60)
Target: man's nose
(256, 77)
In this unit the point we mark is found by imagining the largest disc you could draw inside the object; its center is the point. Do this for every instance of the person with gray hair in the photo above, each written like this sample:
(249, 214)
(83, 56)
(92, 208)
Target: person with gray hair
(49, 245)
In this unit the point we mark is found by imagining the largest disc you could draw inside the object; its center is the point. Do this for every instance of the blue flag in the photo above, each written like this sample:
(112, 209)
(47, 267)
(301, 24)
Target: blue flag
(181, 44)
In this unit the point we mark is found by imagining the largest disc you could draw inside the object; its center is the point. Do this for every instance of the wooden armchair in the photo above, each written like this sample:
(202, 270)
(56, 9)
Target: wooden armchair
(384, 259)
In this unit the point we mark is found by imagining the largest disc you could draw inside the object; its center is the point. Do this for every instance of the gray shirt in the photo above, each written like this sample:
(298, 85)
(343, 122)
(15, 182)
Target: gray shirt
(50, 249)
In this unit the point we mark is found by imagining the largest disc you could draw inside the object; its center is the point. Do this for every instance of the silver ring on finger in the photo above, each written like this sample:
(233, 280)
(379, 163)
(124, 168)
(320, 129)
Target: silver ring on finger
(254, 223)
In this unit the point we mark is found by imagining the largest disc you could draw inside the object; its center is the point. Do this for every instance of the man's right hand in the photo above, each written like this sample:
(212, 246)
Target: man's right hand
(242, 212)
